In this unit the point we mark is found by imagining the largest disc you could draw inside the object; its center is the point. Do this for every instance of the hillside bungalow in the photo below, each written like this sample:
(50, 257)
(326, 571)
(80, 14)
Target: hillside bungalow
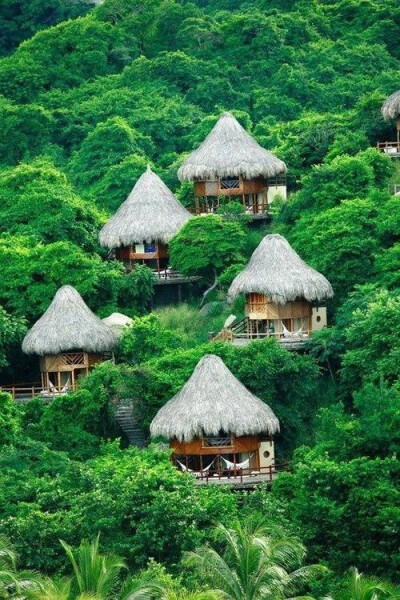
(283, 294)
(69, 339)
(216, 426)
(231, 165)
(391, 110)
(144, 224)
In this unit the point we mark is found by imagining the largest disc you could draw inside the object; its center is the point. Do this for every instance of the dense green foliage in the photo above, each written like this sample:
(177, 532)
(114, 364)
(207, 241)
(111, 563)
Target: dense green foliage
(85, 105)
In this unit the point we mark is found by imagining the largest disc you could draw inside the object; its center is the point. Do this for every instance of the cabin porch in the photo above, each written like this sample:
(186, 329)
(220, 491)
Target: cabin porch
(291, 325)
(226, 459)
(255, 195)
(391, 149)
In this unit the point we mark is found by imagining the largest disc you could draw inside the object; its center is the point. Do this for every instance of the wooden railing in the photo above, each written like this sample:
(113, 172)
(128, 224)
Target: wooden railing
(168, 274)
(25, 392)
(392, 149)
(247, 475)
(204, 208)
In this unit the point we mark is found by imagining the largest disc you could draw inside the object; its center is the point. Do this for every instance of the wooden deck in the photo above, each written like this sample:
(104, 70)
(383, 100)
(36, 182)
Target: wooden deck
(169, 277)
(242, 478)
(24, 392)
(391, 149)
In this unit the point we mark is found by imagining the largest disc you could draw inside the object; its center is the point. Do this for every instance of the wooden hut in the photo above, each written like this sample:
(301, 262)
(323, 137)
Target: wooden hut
(69, 339)
(391, 110)
(283, 294)
(215, 424)
(143, 225)
(230, 164)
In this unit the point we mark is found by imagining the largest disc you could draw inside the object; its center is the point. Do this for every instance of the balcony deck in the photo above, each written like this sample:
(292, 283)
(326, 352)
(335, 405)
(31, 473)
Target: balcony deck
(24, 392)
(171, 277)
(242, 478)
(391, 149)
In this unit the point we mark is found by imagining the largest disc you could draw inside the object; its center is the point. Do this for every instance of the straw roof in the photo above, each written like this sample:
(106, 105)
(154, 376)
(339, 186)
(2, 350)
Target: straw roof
(229, 150)
(391, 106)
(118, 323)
(151, 213)
(277, 271)
(68, 324)
(211, 401)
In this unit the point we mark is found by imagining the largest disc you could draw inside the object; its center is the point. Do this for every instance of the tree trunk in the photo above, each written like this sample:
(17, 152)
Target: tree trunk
(210, 289)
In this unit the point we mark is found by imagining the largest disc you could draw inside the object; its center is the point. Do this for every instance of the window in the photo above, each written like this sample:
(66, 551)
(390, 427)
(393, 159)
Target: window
(150, 247)
(230, 183)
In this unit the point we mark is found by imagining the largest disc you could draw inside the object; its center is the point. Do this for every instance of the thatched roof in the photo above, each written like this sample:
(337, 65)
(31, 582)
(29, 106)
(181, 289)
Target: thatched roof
(211, 401)
(277, 271)
(68, 324)
(229, 150)
(118, 322)
(391, 106)
(151, 213)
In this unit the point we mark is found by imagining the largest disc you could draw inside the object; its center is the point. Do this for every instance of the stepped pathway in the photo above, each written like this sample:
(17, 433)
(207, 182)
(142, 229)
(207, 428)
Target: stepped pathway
(129, 424)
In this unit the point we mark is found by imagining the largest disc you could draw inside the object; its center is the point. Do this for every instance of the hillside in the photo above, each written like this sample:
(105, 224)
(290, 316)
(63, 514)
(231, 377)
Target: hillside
(89, 97)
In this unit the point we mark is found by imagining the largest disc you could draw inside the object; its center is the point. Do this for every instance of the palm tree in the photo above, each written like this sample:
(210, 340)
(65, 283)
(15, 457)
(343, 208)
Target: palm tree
(13, 584)
(95, 575)
(254, 565)
(360, 587)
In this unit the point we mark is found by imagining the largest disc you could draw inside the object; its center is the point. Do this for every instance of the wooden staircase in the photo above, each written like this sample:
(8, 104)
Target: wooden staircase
(130, 425)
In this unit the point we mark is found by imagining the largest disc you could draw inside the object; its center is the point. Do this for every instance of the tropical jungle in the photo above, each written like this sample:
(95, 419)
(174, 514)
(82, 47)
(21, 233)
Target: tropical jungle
(94, 95)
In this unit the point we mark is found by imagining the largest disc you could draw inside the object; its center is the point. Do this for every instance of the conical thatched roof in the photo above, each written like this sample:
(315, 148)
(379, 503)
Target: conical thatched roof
(277, 271)
(151, 213)
(391, 106)
(229, 150)
(211, 401)
(68, 324)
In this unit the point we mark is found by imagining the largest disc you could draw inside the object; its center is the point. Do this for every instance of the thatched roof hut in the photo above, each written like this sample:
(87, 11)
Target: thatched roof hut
(391, 106)
(68, 324)
(151, 213)
(279, 273)
(229, 150)
(211, 401)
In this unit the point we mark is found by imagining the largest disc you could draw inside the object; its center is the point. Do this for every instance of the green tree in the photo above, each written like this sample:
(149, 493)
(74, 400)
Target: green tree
(25, 133)
(106, 146)
(145, 339)
(205, 246)
(94, 573)
(357, 586)
(12, 330)
(254, 564)
(20, 19)
(38, 200)
(9, 421)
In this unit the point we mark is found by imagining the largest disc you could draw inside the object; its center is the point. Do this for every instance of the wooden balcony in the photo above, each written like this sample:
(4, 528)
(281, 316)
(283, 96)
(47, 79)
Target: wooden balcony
(210, 206)
(170, 276)
(241, 334)
(24, 392)
(241, 478)
(391, 149)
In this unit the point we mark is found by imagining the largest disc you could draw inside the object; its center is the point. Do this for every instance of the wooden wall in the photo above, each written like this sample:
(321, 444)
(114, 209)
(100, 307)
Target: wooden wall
(196, 447)
(260, 307)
